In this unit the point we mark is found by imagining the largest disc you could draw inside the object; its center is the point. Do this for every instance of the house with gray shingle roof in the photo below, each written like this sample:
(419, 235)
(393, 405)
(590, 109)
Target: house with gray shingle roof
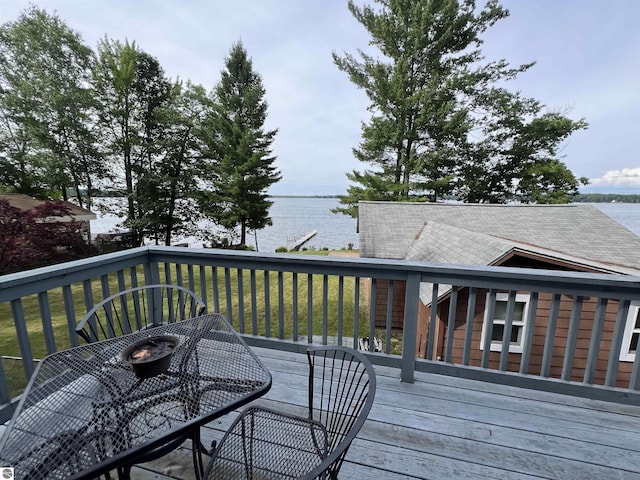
(576, 237)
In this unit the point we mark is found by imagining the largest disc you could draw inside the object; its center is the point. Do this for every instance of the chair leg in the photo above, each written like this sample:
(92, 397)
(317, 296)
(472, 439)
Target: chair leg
(124, 473)
(197, 450)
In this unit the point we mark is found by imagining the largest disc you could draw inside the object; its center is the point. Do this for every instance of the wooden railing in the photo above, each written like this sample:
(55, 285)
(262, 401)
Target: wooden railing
(288, 301)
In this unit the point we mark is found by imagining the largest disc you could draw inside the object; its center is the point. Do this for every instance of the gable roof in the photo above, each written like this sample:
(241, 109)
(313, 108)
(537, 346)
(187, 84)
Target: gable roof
(25, 203)
(475, 234)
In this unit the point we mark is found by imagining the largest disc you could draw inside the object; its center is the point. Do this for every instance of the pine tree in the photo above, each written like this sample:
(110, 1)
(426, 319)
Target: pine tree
(241, 168)
(440, 124)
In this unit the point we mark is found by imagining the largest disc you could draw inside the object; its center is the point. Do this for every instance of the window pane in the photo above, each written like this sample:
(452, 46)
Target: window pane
(634, 342)
(498, 331)
(637, 324)
(515, 334)
(501, 310)
(518, 314)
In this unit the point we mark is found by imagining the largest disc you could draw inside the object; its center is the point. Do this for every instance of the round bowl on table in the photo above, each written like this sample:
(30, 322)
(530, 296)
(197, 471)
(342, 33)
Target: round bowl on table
(150, 356)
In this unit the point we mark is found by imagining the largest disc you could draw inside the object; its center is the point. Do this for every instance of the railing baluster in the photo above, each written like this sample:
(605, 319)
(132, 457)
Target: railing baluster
(488, 326)
(547, 354)
(45, 316)
(451, 323)
(356, 311)
(70, 312)
(254, 303)
(280, 305)
(594, 342)
(241, 300)
(191, 278)
(572, 337)
(433, 318)
(203, 286)
(167, 273)
(372, 310)
(179, 280)
(267, 305)
(471, 309)
(227, 294)
(294, 294)
(530, 327)
(5, 393)
(340, 307)
(133, 274)
(506, 333)
(23, 336)
(325, 308)
(309, 308)
(388, 320)
(616, 343)
(215, 290)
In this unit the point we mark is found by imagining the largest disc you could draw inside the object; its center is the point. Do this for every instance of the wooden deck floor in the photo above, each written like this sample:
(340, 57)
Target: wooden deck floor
(447, 428)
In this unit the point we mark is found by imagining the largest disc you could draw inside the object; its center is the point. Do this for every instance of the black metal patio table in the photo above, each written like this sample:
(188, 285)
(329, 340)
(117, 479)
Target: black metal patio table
(85, 412)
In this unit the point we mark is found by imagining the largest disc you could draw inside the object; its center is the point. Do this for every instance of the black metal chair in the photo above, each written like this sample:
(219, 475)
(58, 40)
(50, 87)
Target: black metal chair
(267, 444)
(135, 309)
(139, 308)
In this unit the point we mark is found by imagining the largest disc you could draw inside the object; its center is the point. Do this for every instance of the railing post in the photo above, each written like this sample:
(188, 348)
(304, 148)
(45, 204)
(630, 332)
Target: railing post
(411, 299)
(151, 272)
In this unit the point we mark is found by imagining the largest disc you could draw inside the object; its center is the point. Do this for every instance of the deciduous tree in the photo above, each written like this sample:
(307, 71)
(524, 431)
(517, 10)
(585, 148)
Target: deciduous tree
(37, 237)
(48, 128)
(132, 89)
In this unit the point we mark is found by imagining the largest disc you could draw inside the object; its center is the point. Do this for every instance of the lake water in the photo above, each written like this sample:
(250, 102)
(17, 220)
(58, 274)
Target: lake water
(296, 217)
(292, 219)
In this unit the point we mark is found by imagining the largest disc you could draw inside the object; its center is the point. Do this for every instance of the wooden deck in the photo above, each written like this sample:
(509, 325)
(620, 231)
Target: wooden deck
(447, 428)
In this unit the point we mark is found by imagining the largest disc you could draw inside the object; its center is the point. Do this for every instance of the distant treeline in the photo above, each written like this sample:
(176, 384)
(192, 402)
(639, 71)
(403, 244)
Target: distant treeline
(606, 198)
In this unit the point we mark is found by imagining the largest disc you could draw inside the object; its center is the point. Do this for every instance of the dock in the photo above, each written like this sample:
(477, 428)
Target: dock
(297, 243)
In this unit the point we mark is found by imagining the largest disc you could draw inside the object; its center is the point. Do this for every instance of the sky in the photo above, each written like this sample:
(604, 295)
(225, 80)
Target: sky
(587, 55)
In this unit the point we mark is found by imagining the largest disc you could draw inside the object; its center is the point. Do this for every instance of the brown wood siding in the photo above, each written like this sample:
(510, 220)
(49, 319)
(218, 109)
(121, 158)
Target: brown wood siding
(541, 321)
(382, 296)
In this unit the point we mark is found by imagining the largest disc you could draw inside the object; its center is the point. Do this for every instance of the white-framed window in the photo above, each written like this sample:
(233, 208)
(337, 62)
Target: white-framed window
(518, 326)
(631, 334)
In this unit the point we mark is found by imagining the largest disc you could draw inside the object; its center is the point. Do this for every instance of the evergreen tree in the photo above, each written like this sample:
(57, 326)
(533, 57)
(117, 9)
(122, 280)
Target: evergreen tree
(438, 119)
(241, 166)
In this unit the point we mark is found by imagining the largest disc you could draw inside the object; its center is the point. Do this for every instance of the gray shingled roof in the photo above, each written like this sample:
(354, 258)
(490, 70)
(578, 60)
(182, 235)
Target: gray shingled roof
(449, 233)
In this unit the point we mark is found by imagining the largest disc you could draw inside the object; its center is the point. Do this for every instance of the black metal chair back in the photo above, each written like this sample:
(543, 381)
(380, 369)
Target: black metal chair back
(268, 444)
(342, 387)
(139, 308)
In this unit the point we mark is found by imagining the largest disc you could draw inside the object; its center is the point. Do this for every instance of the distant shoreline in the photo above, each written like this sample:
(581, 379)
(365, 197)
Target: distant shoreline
(303, 196)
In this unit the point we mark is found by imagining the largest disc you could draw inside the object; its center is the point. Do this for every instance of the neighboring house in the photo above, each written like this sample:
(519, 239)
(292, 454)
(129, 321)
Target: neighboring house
(76, 213)
(575, 237)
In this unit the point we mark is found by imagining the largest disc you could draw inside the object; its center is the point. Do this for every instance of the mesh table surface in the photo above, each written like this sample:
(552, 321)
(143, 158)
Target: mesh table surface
(85, 411)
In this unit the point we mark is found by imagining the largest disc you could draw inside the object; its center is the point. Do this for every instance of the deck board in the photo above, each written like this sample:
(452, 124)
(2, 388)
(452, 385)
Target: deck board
(449, 428)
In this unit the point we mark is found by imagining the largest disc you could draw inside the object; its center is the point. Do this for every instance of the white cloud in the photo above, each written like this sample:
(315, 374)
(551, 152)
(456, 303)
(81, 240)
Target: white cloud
(627, 177)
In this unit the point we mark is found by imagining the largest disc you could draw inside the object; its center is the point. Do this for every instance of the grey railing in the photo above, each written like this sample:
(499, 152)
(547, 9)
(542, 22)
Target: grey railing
(289, 301)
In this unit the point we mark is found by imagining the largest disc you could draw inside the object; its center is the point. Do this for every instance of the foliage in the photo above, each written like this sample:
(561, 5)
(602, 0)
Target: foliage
(75, 120)
(168, 186)
(47, 136)
(606, 198)
(241, 166)
(441, 122)
(132, 89)
(33, 238)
